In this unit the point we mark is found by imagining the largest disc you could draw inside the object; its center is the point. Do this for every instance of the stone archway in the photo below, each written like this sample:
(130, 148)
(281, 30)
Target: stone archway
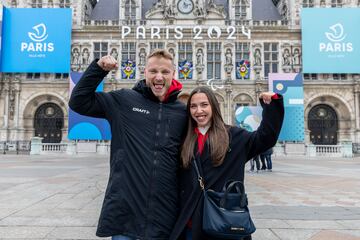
(48, 122)
(323, 125)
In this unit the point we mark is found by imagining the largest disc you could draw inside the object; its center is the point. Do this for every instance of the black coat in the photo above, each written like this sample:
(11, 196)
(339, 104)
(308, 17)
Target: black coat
(141, 196)
(244, 145)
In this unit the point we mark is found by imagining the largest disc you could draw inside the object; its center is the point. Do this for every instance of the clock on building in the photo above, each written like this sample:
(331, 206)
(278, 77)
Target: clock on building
(185, 6)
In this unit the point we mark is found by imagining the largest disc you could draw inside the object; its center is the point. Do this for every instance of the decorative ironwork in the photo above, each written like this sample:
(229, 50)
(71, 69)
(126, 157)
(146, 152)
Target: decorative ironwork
(48, 122)
(323, 125)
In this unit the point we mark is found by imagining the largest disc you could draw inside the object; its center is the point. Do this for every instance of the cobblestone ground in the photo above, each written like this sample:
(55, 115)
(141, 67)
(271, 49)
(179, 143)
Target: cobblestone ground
(59, 197)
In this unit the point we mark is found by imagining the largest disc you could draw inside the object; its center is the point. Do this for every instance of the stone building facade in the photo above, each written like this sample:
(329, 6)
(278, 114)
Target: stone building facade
(213, 35)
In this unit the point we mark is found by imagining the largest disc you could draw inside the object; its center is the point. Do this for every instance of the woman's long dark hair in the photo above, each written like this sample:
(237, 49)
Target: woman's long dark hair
(218, 137)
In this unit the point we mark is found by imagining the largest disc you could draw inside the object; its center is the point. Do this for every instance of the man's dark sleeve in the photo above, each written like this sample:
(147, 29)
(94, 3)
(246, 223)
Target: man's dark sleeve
(268, 132)
(84, 100)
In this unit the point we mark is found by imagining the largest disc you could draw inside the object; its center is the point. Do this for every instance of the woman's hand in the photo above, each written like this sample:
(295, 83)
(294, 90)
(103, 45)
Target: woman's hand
(266, 97)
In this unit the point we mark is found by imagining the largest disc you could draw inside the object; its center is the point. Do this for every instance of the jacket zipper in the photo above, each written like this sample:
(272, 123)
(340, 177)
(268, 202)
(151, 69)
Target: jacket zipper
(155, 162)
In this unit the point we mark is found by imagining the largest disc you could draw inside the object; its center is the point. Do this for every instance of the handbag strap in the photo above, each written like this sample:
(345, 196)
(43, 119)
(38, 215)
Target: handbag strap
(200, 179)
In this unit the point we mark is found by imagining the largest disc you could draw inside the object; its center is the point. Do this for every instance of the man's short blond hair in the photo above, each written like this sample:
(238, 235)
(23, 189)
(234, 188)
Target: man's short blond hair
(161, 53)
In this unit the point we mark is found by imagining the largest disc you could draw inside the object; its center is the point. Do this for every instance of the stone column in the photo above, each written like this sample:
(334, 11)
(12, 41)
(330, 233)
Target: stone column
(357, 120)
(17, 106)
(6, 109)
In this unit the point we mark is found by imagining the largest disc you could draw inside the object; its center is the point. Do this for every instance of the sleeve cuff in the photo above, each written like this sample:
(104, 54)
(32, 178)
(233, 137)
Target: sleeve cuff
(276, 96)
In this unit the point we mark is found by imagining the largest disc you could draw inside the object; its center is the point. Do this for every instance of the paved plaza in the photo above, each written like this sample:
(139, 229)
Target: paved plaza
(59, 197)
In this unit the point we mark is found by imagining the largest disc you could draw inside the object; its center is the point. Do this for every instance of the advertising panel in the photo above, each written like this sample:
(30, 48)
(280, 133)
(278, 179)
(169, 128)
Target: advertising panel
(36, 40)
(83, 127)
(330, 40)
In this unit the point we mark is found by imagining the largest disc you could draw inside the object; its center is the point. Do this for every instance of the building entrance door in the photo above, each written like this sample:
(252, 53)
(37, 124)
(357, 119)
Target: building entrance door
(48, 122)
(323, 125)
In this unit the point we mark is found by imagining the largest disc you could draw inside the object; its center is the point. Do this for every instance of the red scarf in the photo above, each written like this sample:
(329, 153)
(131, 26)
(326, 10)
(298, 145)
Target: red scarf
(201, 139)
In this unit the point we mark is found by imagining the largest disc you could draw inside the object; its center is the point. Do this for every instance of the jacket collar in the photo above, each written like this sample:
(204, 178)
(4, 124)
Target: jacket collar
(171, 95)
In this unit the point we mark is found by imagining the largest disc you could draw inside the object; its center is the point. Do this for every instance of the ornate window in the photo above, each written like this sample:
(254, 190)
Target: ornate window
(185, 52)
(156, 45)
(36, 3)
(308, 3)
(213, 60)
(33, 75)
(339, 76)
(130, 9)
(240, 9)
(64, 3)
(61, 75)
(336, 3)
(271, 58)
(128, 51)
(310, 76)
(100, 49)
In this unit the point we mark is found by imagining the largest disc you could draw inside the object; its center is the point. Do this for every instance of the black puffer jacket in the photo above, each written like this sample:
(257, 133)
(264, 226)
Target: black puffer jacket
(141, 195)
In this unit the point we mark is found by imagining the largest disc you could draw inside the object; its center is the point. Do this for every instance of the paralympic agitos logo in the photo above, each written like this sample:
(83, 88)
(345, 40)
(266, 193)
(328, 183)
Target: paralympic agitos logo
(37, 43)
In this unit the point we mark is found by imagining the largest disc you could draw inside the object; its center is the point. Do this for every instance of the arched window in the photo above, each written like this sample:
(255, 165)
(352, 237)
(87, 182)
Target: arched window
(240, 9)
(130, 9)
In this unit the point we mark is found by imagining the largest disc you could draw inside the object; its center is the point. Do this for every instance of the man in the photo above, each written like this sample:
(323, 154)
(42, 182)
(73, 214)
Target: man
(147, 126)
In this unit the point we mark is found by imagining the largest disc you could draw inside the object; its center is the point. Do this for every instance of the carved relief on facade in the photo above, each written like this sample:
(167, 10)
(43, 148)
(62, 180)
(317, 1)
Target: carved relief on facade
(244, 97)
(214, 10)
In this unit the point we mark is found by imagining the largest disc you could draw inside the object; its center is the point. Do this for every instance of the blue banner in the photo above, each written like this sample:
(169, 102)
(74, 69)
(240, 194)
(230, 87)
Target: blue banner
(83, 127)
(330, 40)
(36, 40)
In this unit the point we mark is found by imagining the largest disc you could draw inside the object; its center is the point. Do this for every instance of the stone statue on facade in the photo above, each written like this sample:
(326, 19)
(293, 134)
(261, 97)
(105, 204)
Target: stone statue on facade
(199, 10)
(286, 57)
(296, 57)
(85, 57)
(228, 61)
(199, 61)
(114, 53)
(169, 11)
(75, 59)
(142, 60)
(199, 57)
(257, 57)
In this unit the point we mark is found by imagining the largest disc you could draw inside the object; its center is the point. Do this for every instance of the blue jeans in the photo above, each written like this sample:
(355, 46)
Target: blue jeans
(268, 161)
(120, 237)
(188, 233)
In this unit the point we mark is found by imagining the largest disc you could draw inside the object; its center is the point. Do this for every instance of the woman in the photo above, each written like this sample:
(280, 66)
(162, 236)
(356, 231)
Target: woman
(222, 152)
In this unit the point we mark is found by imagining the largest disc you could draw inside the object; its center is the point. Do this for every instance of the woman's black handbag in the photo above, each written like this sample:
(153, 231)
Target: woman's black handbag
(225, 214)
